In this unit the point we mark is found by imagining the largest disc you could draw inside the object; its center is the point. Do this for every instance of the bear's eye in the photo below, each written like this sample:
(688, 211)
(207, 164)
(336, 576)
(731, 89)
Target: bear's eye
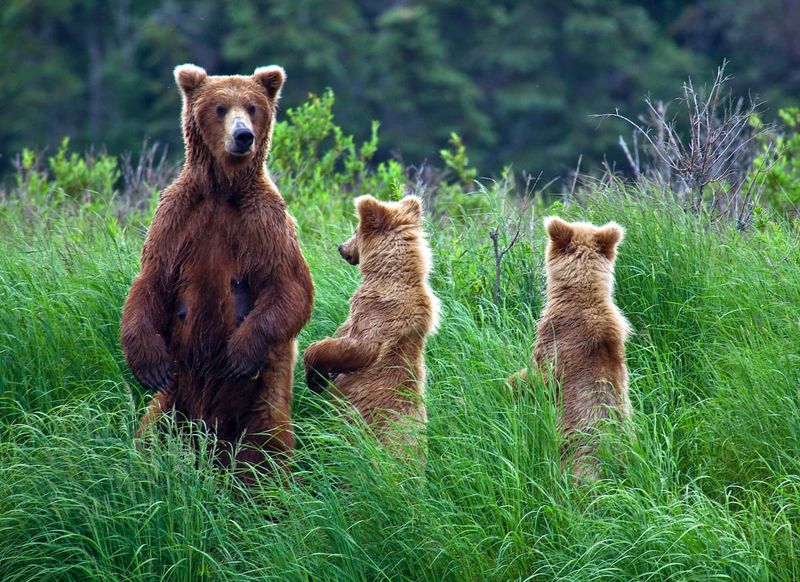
(251, 109)
(221, 110)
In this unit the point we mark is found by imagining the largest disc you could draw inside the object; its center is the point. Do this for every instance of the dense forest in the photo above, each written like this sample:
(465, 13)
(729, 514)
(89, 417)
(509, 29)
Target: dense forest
(518, 80)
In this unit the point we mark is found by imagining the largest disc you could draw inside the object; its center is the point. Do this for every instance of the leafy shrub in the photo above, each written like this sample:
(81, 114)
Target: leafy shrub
(68, 176)
(313, 158)
(457, 194)
(777, 169)
(318, 167)
(457, 161)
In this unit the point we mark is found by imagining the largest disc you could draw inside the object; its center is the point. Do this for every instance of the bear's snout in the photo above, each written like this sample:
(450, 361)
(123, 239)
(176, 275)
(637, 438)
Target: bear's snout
(347, 256)
(240, 135)
(243, 138)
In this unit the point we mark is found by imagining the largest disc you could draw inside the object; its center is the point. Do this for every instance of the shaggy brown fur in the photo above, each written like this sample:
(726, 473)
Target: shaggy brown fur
(581, 333)
(376, 359)
(211, 319)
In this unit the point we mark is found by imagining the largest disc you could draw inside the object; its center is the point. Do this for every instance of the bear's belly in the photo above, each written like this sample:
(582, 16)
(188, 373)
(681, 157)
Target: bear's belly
(210, 303)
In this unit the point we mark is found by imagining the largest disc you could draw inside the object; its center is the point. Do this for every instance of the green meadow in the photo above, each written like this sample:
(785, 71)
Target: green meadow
(709, 489)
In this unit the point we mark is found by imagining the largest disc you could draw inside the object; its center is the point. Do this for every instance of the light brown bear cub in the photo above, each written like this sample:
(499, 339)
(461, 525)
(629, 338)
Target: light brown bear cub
(376, 358)
(581, 333)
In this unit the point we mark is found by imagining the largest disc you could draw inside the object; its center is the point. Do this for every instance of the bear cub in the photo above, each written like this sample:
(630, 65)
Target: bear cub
(581, 334)
(376, 358)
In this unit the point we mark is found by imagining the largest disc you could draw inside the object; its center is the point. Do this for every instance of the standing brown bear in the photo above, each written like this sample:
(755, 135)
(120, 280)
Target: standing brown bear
(211, 318)
(581, 334)
(376, 358)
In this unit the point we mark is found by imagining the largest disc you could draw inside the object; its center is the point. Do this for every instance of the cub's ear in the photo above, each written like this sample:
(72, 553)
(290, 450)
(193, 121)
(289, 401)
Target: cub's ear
(272, 79)
(373, 216)
(560, 232)
(189, 77)
(412, 207)
(608, 238)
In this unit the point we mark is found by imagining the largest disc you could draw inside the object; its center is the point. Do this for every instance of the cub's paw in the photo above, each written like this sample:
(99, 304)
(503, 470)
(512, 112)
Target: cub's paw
(316, 380)
(517, 380)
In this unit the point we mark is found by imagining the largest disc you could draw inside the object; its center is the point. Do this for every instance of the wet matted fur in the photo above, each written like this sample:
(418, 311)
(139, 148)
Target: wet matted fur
(223, 291)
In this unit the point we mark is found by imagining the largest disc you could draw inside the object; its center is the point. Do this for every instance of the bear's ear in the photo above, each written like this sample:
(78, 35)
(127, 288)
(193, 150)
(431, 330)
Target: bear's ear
(189, 77)
(608, 238)
(372, 215)
(412, 207)
(272, 79)
(560, 232)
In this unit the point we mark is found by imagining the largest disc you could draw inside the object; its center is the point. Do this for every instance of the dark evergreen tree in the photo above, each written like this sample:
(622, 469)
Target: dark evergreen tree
(519, 80)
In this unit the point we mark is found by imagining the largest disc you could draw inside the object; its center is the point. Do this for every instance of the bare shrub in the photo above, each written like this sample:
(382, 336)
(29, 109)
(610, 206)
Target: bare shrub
(424, 181)
(704, 159)
(151, 173)
(506, 233)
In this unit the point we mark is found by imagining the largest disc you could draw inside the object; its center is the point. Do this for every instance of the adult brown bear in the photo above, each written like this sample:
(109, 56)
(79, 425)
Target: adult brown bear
(211, 318)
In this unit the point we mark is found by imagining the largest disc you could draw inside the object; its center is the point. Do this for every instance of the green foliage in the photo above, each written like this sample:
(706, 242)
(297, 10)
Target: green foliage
(315, 161)
(458, 194)
(776, 172)
(456, 160)
(709, 489)
(71, 176)
(313, 158)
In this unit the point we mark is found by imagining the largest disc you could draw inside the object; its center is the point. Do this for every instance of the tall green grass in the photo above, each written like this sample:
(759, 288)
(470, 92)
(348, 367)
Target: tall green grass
(708, 491)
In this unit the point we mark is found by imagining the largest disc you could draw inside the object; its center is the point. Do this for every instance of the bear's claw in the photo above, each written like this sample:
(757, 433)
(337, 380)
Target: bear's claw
(155, 377)
(242, 370)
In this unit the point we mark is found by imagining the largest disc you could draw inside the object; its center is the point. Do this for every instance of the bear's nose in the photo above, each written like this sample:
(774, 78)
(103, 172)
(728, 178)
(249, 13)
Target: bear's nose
(243, 138)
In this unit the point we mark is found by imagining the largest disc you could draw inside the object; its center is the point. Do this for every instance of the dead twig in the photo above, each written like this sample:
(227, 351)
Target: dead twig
(501, 251)
(498, 257)
(706, 164)
(152, 172)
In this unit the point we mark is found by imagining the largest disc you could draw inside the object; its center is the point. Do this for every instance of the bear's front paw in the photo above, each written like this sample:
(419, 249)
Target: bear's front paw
(156, 374)
(243, 369)
(243, 363)
(147, 356)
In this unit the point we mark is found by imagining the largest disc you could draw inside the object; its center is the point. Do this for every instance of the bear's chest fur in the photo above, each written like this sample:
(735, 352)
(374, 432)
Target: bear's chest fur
(216, 275)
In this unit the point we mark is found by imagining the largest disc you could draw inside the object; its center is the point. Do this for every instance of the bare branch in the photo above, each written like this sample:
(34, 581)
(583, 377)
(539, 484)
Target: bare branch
(575, 177)
(709, 170)
(631, 161)
(501, 251)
